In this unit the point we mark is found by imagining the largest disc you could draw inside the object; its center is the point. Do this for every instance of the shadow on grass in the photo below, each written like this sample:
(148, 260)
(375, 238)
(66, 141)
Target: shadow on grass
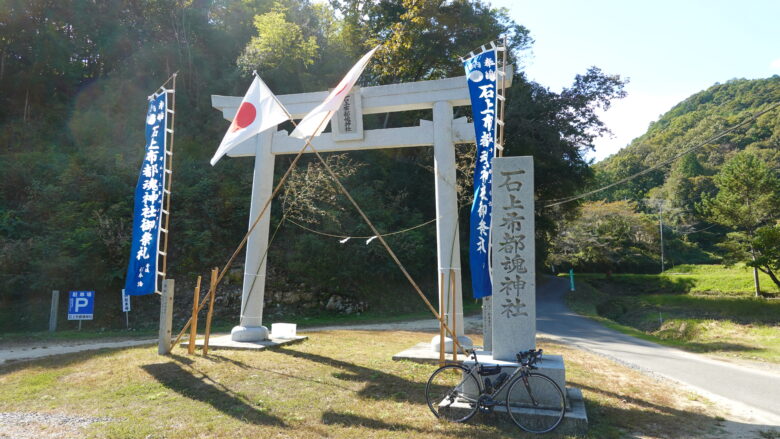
(379, 384)
(206, 390)
(649, 417)
(352, 420)
(497, 425)
(222, 359)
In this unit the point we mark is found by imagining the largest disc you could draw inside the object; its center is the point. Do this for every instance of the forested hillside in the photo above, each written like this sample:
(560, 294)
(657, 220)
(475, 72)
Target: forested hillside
(717, 203)
(689, 123)
(74, 77)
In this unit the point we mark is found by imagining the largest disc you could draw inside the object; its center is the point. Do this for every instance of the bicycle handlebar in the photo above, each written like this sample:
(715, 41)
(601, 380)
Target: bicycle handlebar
(530, 357)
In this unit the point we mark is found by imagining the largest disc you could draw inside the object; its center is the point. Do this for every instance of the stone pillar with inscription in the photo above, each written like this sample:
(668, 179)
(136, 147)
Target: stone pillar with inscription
(513, 302)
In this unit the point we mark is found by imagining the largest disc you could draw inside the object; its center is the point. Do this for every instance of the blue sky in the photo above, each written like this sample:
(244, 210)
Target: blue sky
(668, 49)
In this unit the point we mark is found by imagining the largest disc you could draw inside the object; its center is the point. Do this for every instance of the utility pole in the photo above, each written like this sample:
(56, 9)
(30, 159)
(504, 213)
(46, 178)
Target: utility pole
(661, 230)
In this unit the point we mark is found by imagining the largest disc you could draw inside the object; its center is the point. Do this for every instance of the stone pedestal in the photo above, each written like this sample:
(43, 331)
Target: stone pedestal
(249, 333)
(551, 365)
(464, 342)
(575, 421)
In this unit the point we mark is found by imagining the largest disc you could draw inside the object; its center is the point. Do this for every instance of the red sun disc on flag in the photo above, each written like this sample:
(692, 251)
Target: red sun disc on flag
(245, 116)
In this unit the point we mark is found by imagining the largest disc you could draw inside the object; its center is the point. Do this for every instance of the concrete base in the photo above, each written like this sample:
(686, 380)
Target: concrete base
(575, 420)
(574, 423)
(464, 342)
(226, 342)
(422, 353)
(551, 365)
(249, 333)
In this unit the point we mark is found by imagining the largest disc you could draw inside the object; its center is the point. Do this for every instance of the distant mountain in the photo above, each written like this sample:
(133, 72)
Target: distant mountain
(690, 122)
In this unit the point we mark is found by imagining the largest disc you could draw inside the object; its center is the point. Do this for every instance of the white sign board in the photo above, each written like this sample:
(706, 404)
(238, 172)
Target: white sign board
(125, 302)
(347, 123)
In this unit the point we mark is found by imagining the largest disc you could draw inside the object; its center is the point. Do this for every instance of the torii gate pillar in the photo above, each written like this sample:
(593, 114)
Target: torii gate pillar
(253, 293)
(447, 235)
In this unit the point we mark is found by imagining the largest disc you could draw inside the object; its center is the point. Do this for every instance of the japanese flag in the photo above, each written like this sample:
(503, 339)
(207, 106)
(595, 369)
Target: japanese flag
(259, 111)
(317, 119)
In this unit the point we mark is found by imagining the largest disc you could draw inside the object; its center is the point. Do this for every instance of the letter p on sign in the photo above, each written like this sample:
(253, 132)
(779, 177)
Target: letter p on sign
(81, 305)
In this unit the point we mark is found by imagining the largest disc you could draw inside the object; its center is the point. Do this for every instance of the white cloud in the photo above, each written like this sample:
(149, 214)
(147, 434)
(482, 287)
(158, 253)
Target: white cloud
(775, 65)
(629, 118)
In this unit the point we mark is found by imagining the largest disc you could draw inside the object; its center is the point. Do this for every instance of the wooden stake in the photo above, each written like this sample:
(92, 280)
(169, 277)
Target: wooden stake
(212, 296)
(441, 325)
(455, 345)
(194, 327)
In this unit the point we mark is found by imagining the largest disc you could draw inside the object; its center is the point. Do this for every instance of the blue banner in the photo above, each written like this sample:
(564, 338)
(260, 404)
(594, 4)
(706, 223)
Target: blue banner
(142, 269)
(481, 77)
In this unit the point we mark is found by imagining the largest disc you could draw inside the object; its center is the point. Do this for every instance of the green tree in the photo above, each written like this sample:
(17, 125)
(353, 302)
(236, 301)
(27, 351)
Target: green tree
(747, 198)
(279, 43)
(607, 236)
(766, 244)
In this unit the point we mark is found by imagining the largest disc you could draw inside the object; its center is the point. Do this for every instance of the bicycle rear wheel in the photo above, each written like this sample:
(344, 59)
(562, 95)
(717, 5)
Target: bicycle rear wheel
(535, 403)
(452, 393)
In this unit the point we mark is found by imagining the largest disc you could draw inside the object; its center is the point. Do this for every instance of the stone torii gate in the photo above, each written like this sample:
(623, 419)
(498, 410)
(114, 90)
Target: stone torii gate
(347, 134)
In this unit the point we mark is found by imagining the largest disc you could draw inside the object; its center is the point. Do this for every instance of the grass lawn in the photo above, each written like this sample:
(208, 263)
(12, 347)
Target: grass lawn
(339, 384)
(720, 280)
(707, 316)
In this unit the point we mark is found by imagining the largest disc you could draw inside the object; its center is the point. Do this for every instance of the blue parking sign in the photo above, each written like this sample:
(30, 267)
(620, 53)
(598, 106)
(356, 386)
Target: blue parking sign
(81, 305)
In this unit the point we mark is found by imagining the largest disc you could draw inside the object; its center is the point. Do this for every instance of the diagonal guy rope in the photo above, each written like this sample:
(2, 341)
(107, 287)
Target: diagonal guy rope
(335, 178)
(331, 235)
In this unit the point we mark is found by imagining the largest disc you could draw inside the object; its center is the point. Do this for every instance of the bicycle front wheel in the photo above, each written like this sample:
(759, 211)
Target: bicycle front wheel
(535, 403)
(452, 393)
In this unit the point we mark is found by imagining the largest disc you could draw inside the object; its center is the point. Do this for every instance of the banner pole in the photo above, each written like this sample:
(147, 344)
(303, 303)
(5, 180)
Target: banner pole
(502, 107)
(168, 176)
(454, 312)
(441, 325)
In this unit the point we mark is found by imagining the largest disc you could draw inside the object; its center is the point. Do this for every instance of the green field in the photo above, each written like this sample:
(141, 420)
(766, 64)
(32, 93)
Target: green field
(696, 279)
(699, 308)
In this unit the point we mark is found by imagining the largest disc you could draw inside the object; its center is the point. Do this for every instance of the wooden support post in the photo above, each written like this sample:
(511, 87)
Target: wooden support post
(455, 345)
(441, 322)
(212, 297)
(166, 317)
(194, 326)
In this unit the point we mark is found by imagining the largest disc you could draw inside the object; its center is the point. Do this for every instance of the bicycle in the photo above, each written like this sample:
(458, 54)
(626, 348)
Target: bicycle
(534, 402)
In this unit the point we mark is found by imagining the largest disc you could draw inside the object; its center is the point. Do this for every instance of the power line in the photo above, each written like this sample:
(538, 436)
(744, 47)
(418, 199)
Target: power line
(560, 201)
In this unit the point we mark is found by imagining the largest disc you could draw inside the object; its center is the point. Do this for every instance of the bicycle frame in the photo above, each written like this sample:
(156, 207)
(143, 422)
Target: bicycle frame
(472, 371)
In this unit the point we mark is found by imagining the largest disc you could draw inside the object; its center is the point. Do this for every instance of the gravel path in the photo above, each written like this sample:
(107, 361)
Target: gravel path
(22, 352)
(24, 425)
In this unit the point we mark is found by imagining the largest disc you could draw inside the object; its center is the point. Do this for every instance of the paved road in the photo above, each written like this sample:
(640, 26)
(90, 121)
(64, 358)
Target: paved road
(42, 349)
(757, 390)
